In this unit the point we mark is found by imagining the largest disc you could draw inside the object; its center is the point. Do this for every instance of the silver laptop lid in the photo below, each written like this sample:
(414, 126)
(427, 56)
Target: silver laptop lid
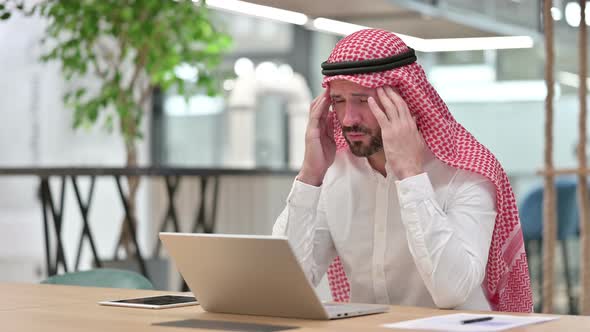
(244, 274)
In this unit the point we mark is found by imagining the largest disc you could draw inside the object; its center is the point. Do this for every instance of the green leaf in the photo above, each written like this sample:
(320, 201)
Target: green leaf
(93, 114)
(127, 13)
(80, 92)
(5, 16)
(91, 33)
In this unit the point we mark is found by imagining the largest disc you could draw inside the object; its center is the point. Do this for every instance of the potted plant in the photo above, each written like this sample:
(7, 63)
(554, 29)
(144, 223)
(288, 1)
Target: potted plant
(128, 48)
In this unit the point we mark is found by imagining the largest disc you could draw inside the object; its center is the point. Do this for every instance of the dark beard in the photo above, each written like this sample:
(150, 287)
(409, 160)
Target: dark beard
(359, 149)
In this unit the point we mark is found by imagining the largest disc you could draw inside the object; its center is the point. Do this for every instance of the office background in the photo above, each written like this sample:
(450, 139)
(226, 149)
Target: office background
(497, 94)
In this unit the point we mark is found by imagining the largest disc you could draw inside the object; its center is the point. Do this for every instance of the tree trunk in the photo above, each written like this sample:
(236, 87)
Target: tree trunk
(125, 239)
(549, 195)
(583, 164)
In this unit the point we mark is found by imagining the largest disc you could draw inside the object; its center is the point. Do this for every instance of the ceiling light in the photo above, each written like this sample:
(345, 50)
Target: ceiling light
(344, 28)
(432, 45)
(244, 67)
(336, 27)
(248, 8)
(556, 13)
(571, 79)
(471, 44)
(573, 14)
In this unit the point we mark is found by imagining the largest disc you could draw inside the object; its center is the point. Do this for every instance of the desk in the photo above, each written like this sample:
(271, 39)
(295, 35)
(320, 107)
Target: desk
(31, 307)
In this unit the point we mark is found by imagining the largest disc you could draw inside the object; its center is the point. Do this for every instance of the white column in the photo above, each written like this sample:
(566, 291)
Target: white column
(298, 114)
(239, 150)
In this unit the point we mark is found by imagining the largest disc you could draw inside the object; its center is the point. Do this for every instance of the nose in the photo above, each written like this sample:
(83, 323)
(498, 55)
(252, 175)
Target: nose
(352, 115)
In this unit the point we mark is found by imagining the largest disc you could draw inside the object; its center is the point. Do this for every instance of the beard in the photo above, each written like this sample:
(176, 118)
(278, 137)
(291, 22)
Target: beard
(362, 149)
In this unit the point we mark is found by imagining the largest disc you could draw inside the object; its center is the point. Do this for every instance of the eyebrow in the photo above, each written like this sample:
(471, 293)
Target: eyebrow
(356, 94)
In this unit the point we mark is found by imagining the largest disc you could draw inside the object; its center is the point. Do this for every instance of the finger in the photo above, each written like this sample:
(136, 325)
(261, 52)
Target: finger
(314, 102)
(329, 131)
(328, 100)
(388, 104)
(322, 107)
(377, 112)
(326, 126)
(316, 112)
(318, 98)
(400, 104)
(324, 111)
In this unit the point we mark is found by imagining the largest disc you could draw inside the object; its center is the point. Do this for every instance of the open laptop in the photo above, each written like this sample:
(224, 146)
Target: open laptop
(251, 275)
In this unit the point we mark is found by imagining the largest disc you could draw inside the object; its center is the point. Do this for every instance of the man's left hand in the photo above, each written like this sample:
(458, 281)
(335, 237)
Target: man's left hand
(402, 143)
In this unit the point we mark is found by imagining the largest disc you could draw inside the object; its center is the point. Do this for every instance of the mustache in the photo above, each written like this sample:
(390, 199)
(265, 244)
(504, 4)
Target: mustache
(356, 129)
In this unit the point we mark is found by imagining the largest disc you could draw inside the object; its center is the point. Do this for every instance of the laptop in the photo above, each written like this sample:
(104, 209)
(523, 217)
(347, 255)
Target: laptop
(252, 275)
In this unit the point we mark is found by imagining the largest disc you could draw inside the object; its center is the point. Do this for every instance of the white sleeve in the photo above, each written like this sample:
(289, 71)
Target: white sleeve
(450, 249)
(304, 223)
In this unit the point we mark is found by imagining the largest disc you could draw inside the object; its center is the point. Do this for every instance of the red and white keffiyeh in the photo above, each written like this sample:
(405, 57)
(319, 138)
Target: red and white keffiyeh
(507, 283)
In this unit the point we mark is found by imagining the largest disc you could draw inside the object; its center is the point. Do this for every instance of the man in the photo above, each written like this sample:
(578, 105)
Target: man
(413, 208)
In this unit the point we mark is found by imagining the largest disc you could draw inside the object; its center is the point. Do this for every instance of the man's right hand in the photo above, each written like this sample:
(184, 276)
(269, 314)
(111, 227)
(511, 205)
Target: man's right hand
(320, 148)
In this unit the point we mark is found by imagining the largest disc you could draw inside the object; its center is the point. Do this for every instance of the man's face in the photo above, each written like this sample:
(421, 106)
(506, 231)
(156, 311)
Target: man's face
(359, 126)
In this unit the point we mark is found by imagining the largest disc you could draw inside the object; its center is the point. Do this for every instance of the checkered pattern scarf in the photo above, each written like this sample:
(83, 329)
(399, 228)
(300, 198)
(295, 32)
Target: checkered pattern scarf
(506, 284)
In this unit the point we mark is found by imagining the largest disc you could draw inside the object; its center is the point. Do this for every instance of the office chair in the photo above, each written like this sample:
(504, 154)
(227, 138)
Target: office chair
(531, 219)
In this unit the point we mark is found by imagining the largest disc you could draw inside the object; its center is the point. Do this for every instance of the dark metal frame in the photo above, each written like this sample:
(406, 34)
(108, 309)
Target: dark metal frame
(203, 222)
(84, 208)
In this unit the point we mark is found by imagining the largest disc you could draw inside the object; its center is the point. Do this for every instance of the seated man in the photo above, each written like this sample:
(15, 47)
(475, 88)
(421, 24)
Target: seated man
(414, 209)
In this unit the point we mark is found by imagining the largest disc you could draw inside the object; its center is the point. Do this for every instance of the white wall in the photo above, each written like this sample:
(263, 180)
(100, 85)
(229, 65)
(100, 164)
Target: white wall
(35, 130)
(20, 144)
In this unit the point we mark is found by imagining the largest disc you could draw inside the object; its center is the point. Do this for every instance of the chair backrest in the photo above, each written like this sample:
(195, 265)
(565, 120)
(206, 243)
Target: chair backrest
(531, 211)
(112, 278)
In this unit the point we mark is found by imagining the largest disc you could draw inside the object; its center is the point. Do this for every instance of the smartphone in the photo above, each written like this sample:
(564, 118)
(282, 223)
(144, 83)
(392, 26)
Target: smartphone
(154, 302)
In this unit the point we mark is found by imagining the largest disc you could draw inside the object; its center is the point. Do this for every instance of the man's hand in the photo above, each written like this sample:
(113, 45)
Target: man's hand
(402, 143)
(320, 148)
